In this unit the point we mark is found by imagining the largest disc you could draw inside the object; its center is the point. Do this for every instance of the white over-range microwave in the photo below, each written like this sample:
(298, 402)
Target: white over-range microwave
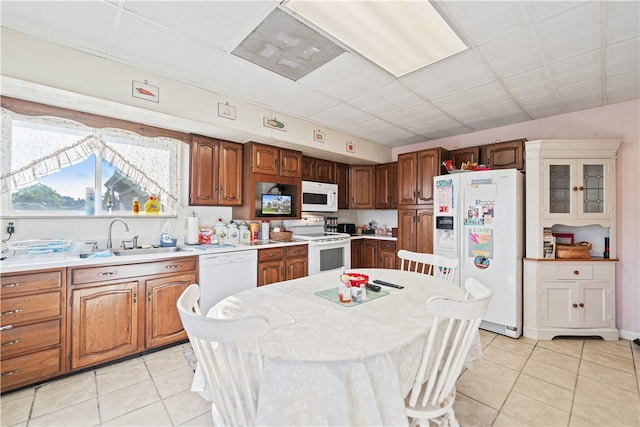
(319, 197)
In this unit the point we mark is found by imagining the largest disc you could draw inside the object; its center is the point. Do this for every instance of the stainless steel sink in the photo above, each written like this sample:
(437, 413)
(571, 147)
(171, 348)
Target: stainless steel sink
(137, 251)
(143, 251)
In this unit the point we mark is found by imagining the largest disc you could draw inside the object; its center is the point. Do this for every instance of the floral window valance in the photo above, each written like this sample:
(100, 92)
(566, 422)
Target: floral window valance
(55, 143)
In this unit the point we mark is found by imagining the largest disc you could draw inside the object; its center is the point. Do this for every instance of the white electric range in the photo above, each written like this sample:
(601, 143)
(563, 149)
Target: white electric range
(328, 251)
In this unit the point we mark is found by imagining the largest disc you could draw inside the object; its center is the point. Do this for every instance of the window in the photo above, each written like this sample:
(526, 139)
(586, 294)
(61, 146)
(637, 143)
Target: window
(49, 165)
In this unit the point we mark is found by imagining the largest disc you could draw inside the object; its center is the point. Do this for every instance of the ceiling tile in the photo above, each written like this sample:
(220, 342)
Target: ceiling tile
(624, 20)
(428, 83)
(304, 101)
(541, 10)
(346, 77)
(488, 95)
(623, 87)
(481, 21)
(391, 97)
(341, 116)
(623, 57)
(528, 84)
(410, 116)
(236, 77)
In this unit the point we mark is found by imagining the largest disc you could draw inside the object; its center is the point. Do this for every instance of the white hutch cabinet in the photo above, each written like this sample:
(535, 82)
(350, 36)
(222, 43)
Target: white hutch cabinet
(571, 184)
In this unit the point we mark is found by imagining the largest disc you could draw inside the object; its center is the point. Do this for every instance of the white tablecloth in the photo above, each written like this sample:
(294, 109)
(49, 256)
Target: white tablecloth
(327, 364)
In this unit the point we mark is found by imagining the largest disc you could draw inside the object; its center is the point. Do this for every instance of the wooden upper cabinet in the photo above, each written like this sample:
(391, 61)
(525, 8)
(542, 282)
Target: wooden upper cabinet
(230, 174)
(290, 163)
(415, 175)
(361, 187)
(386, 186)
(342, 179)
(308, 168)
(464, 155)
(318, 170)
(270, 160)
(265, 159)
(215, 172)
(505, 155)
(325, 171)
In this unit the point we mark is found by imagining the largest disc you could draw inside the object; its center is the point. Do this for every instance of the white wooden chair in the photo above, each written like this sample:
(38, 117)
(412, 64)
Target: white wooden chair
(454, 328)
(434, 265)
(229, 357)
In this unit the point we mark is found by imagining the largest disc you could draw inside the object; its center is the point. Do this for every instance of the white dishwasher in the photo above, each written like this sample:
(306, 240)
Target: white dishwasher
(224, 274)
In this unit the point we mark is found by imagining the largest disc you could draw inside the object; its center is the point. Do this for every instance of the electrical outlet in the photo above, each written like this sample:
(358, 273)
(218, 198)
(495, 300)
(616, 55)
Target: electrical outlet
(10, 228)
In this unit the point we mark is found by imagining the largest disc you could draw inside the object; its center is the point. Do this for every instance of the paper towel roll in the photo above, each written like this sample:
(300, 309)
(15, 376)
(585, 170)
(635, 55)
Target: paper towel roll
(193, 229)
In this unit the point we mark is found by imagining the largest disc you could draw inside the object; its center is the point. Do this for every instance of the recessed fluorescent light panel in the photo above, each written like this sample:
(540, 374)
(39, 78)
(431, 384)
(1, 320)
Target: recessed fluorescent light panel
(286, 46)
(399, 36)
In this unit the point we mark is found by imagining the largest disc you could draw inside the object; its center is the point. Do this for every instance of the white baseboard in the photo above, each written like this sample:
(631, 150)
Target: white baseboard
(629, 335)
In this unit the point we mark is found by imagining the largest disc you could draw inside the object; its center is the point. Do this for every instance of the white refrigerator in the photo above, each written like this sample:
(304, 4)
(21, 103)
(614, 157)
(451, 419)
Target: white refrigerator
(479, 219)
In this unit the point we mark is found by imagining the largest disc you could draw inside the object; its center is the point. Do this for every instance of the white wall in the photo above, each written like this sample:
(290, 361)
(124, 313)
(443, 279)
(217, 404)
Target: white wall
(617, 121)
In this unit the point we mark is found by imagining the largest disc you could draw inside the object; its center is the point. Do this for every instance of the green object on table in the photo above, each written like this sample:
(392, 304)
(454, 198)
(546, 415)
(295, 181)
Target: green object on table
(332, 295)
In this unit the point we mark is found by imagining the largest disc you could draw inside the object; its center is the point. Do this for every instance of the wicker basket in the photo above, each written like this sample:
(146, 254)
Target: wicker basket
(580, 250)
(281, 236)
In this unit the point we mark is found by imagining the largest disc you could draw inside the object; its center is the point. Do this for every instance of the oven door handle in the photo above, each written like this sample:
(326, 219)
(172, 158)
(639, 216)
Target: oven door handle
(335, 242)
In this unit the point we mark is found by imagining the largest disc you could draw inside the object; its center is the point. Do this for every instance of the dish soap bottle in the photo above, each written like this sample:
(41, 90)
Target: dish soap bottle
(152, 206)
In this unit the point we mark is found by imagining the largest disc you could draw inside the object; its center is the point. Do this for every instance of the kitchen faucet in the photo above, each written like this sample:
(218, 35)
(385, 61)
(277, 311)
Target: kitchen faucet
(126, 228)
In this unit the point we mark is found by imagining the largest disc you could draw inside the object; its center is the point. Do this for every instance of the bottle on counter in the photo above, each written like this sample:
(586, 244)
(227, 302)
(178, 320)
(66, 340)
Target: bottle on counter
(606, 248)
(135, 206)
(344, 289)
(254, 229)
(152, 206)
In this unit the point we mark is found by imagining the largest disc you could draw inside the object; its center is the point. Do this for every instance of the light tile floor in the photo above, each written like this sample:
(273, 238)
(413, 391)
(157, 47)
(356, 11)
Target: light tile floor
(564, 382)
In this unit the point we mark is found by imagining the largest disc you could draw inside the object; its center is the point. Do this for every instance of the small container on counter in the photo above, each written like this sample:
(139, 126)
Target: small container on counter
(254, 229)
(204, 238)
(233, 235)
(265, 229)
(245, 233)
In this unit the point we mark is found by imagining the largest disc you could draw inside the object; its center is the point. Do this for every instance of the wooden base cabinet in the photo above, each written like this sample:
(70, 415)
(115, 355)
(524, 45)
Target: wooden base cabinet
(32, 328)
(283, 263)
(415, 230)
(569, 298)
(373, 253)
(119, 310)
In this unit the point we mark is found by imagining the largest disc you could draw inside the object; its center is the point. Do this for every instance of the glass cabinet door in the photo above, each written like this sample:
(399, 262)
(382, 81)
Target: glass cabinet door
(577, 188)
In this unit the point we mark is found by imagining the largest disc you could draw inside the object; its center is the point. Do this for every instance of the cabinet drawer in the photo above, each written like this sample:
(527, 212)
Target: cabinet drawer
(387, 245)
(297, 251)
(23, 339)
(575, 272)
(30, 308)
(31, 368)
(270, 254)
(19, 283)
(120, 271)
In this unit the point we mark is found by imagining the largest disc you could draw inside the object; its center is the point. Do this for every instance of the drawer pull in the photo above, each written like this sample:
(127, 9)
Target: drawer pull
(18, 341)
(106, 273)
(8, 374)
(575, 188)
(575, 305)
(6, 328)
(16, 311)
(576, 272)
(172, 266)
(581, 305)
(12, 285)
(581, 188)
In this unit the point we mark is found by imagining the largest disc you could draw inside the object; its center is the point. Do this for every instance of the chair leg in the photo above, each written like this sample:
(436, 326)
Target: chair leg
(453, 421)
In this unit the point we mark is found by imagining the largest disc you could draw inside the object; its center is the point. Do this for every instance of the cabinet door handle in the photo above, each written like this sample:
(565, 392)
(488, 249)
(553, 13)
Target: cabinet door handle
(581, 188)
(135, 297)
(575, 188)
(16, 311)
(5, 328)
(576, 272)
(16, 341)
(172, 266)
(574, 305)
(8, 374)
(12, 285)
(106, 273)
(581, 305)
(149, 296)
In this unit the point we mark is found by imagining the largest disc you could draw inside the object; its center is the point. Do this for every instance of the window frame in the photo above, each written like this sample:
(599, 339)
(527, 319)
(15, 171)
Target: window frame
(30, 108)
